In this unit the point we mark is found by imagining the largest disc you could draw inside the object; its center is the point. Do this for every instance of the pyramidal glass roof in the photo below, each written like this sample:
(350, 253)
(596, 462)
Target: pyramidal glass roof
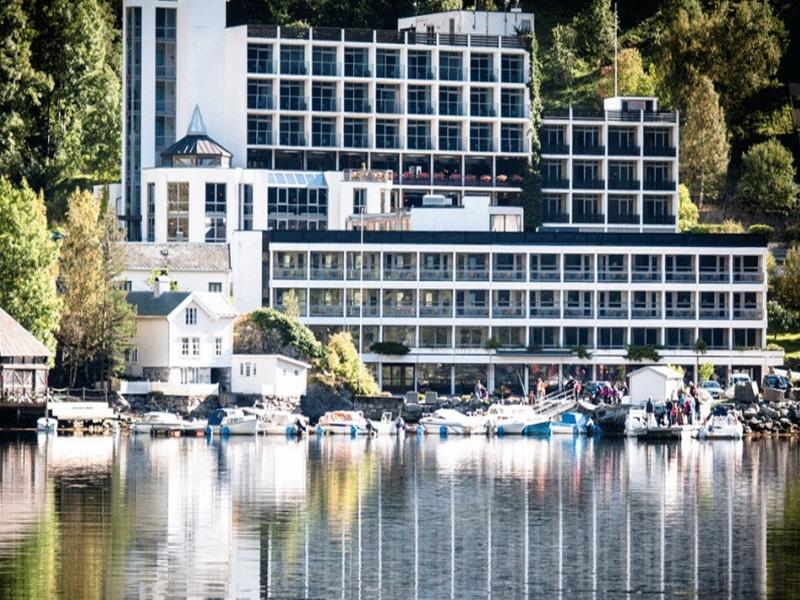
(296, 179)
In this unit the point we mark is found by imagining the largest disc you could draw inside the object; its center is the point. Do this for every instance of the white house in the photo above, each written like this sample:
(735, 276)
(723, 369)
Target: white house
(654, 381)
(268, 375)
(183, 339)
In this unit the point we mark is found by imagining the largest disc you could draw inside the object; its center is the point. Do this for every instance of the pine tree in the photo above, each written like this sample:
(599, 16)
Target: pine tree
(28, 262)
(704, 142)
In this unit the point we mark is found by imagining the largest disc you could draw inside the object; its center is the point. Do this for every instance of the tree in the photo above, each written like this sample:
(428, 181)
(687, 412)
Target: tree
(779, 319)
(291, 304)
(28, 262)
(704, 142)
(561, 67)
(787, 287)
(700, 347)
(595, 28)
(341, 367)
(532, 199)
(705, 372)
(96, 322)
(269, 331)
(768, 176)
(21, 87)
(688, 214)
(632, 80)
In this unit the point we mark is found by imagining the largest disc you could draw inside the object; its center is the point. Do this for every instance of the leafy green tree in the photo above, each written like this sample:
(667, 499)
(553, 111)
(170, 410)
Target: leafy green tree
(632, 79)
(705, 372)
(780, 319)
(270, 331)
(28, 262)
(594, 32)
(291, 304)
(787, 287)
(700, 348)
(21, 87)
(768, 176)
(561, 67)
(688, 213)
(341, 367)
(704, 142)
(532, 200)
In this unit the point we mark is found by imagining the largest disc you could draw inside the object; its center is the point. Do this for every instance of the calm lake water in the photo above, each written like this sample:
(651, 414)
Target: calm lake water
(103, 517)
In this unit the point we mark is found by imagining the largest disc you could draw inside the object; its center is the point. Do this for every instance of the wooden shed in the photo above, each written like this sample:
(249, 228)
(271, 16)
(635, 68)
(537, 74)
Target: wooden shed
(23, 362)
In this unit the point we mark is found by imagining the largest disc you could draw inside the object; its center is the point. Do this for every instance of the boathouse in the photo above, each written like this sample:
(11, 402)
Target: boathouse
(654, 381)
(23, 363)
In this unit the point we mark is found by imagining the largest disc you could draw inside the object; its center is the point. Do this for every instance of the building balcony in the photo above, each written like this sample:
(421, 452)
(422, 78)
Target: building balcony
(254, 67)
(325, 310)
(472, 311)
(624, 184)
(588, 184)
(325, 104)
(389, 71)
(357, 106)
(680, 313)
(292, 103)
(393, 310)
(549, 217)
(748, 277)
(424, 73)
(748, 314)
(481, 145)
(482, 110)
(259, 138)
(542, 275)
(714, 276)
(399, 274)
(450, 144)
(387, 142)
(324, 140)
(545, 312)
(578, 312)
(356, 141)
(612, 276)
(325, 273)
(291, 67)
(258, 103)
(612, 312)
(680, 276)
(436, 275)
(436, 311)
(508, 275)
(292, 139)
(557, 184)
(717, 314)
(508, 312)
(368, 310)
(472, 275)
(642, 312)
(483, 75)
(588, 218)
(451, 110)
(451, 74)
(367, 274)
(576, 275)
(555, 148)
(288, 273)
(325, 69)
(583, 150)
(662, 151)
(650, 219)
(419, 143)
(624, 150)
(419, 108)
(513, 76)
(513, 145)
(357, 70)
(623, 219)
(659, 186)
(514, 111)
(645, 276)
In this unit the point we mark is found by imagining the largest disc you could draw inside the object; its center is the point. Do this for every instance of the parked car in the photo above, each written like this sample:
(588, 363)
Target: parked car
(713, 388)
(776, 382)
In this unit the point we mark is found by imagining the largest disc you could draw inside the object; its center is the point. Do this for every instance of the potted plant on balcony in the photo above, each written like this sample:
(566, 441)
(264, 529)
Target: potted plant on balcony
(390, 348)
(502, 178)
(455, 177)
(470, 179)
(408, 175)
(439, 176)
(424, 176)
(516, 179)
(486, 179)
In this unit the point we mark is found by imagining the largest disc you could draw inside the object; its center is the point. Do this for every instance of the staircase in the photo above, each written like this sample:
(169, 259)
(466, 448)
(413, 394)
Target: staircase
(555, 403)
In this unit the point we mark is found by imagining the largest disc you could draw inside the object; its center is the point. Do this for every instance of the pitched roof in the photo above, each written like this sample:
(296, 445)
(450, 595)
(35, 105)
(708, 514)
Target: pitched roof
(666, 372)
(15, 340)
(179, 256)
(148, 305)
(196, 145)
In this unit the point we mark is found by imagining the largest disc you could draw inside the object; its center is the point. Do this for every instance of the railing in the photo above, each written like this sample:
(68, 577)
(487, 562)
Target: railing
(326, 310)
(545, 312)
(292, 139)
(559, 184)
(752, 314)
(682, 276)
(389, 71)
(326, 273)
(260, 103)
(680, 313)
(354, 274)
(393, 310)
(260, 67)
(451, 109)
(714, 276)
(588, 150)
(435, 311)
(389, 107)
(543, 275)
(645, 313)
(419, 143)
(588, 218)
(612, 313)
(291, 103)
(288, 273)
(713, 313)
(425, 73)
(508, 312)
(357, 106)
(325, 104)
(555, 148)
(436, 274)
(623, 219)
(450, 144)
(140, 388)
(659, 186)
(516, 145)
(451, 74)
(623, 184)
(748, 277)
(512, 76)
(472, 274)
(294, 68)
(356, 141)
(612, 276)
(324, 140)
(259, 138)
(508, 275)
(400, 274)
(374, 175)
(514, 111)
(368, 310)
(357, 70)
(472, 311)
(650, 219)
(325, 69)
(481, 145)
(580, 312)
(588, 184)
(578, 275)
(645, 275)
(555, 217)
(626, 150)
(482, 75)
(665, 151)
(482, 110)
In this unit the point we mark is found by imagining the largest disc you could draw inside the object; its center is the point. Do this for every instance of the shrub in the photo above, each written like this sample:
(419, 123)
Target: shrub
(393, 348)
(793, 233)
(768, 178)
(761, 229)
(642, 353)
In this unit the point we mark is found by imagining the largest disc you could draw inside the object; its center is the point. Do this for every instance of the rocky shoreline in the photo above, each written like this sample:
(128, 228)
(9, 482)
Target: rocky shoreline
(770, 418)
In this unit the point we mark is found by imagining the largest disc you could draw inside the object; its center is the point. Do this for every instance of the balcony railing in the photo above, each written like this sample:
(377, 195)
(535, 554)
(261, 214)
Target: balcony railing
(508, 275)
(395, 310)
(436, 275)
(645, 275)
(357, 106)
(257, 103)
(555, 148)
(354, 274)
(324, 140)
(508, 312)
(680, 313)
(577, 312)
(559, 184)
(292, 139)
(666, 151)
(451, 74)
(751, 314)
(585, 150)
(588, 218)
(357, 70)
(436, 311)
(483, 75)
(450, 144)
(368, 310)
(327, 273)
(291, 67)
(588, 184)
(639, 312)
(623, 219)
(389, 71)
(578, 275)
(714, 276)
(623, 184)
(400, 274)
(472, 311)
(623, 150)
(415, 72)
(610, 312)
(514, 111)
(748, 277)
(544, 275)
(325, 68)
(482, 110)
(326, 310)
(659, 186)
(549, 217)
(356, 141)
(288, 273)
(651, 219)
(612, 276)
(713, 313)
(325, 104)
(545, 312)
(679, 275)
(472, 275)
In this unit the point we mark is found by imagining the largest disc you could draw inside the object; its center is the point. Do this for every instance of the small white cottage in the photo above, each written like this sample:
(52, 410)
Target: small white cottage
(268, 375)
(653, 381)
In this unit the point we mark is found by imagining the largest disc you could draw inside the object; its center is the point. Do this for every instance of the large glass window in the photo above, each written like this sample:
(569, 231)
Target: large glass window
(512, 68)
(292, 97)
(259, 94)
(356, 62)
(450, 101)
(388, 64)
(151, 212)
(216, 211)
(297, 208)
(481, 102)
(323, 132)
(259, 130)
(323, 97)
(450, 66)
(259, 58)
(293, 60)
(246, 222)
(355, 133)
(512, 104)
(419, 64)
(177, 211)
(480, 137)
(387, 134)
(324, 61)
(292, 131)
(419, 100)
(356, 98)
(481, 68)
(449, 135)
(419, 137)
(511, 138)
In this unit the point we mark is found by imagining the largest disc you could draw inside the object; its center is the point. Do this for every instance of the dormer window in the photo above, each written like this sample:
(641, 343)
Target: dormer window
(191, 316)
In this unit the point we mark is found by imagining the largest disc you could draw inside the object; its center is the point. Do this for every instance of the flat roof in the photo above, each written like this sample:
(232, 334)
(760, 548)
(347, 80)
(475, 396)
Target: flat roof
(560, 238)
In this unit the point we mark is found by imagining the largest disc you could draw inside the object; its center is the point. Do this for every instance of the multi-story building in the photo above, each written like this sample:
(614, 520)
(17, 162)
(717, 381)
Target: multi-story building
(505, 307)
(446, 112)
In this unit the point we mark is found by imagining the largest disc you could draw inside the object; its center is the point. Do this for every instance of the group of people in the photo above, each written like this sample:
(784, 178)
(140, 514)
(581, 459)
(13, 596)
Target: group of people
(681, 408)
(601, 393)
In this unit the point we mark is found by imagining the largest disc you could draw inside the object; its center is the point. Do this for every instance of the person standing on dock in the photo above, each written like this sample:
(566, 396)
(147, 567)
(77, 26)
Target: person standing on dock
(650, 411)
(668, 410)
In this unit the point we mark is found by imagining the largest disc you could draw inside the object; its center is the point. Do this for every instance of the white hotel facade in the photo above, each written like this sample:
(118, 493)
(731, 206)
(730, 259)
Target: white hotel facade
(296, 139)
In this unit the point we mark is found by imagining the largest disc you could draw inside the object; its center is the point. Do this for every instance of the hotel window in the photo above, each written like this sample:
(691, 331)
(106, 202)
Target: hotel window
(355, 133)
(259, 94)
(359, 200)
(387, 99)
(621, 172)
(644, 336)
(356, 62)
(471, 337)
(449, 135)
(297, 208)
(195, 346)
(553, 137)
(400, 333)
(657, 206)
(656, 172)
(216, 212)
(512, 68)
(292, 131)
(323, 132)
(585, 137)
(480, 137)
(356, 98)
(419, 100)
(450, 66)
(292, 96)
(246, 220)
(552, 170)
(505, 223)
(293, 60)
(585, 171)
(450, 101)
(434, 337)
(543, 337)
(185, 346)
(259, 58)
(323, 97)
(387, 63)
(511, 138)
(191, 316)
(387, 134)
(259, 130)
(218, 346)
(419, 64)
(177, 211)
(419, 135)
(553, 204)
(151, 212)
(577, 336)
(481, 102)
(621, 138)
(481, 67)
(512, 104)
(585, 205)
(324, 61)
(215, 287)
(621, 206)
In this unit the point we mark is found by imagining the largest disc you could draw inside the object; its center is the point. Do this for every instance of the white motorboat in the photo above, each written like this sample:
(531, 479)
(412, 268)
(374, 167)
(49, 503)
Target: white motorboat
(343, 422)
(387, 425)
(258, 409)
(636, 423)
(449, 421)
(720, 427)
(157, 422)
(515, 419)
(196, 427)
(231, 421)
(571, 423)
(47, 425)
(282, 422)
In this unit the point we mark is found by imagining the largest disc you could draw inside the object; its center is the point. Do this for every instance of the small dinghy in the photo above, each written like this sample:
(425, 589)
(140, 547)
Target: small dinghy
(720, 427)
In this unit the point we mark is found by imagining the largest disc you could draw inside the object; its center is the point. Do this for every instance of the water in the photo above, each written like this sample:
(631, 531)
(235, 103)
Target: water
(103, 517)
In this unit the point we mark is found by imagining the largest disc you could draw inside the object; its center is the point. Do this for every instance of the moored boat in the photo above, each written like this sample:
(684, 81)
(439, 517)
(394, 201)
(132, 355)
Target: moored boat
(720, 427)
(571, 423)
(283, 422)
(516, 419)
(231, 421)
(343, 422)
(157, 422)
(387, 425)
(447, 421)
